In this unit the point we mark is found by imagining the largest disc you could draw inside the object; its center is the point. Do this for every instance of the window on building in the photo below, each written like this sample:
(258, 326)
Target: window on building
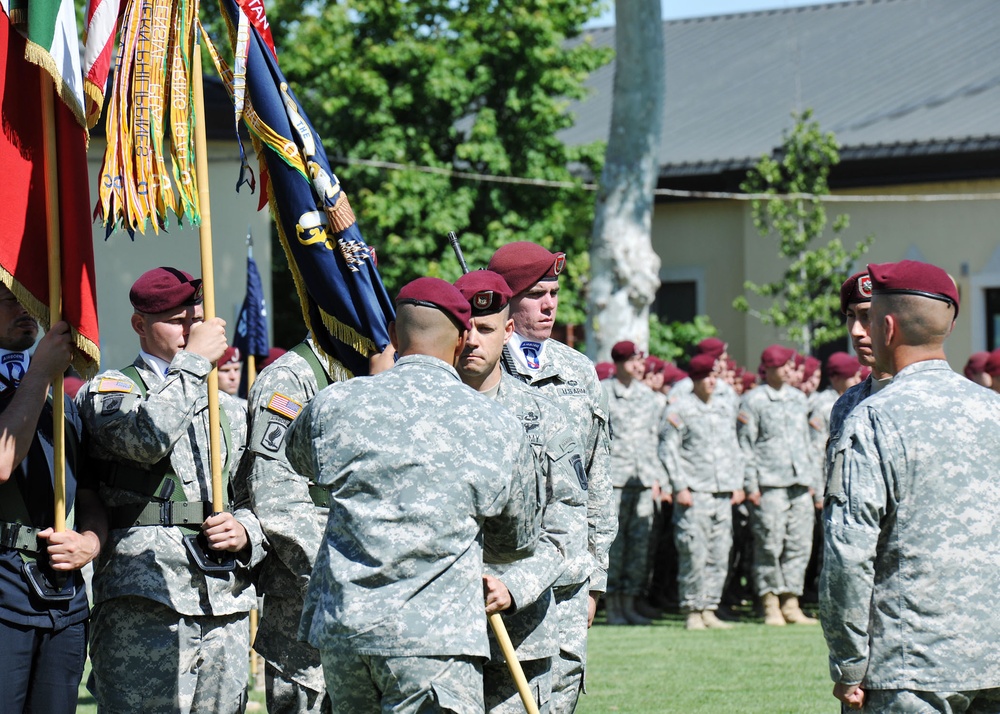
(676, 301)
(992, 318)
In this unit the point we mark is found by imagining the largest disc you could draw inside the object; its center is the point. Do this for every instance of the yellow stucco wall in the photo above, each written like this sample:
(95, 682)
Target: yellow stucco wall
(119, 260)
(717, 240)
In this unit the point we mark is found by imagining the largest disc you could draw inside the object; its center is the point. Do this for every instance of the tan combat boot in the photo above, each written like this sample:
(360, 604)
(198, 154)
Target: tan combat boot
(628, 610)
(772, 610)
(694, 621)
(792, 613)
(714, 623)
(613, 609)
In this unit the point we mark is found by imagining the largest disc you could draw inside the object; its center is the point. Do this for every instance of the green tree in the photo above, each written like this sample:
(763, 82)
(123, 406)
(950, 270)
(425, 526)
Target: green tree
(674, 340)
(465, 85)
(806, 299)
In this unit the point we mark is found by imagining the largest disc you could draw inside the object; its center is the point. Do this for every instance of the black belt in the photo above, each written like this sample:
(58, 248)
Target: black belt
(17, 536)
(160, 513)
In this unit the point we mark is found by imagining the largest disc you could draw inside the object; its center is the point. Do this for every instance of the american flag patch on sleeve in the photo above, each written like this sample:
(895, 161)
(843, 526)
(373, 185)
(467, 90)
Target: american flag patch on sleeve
(280, 404)
(112, 384)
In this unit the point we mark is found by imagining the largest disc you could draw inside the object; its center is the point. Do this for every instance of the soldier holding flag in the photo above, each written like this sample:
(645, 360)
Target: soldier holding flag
(166, 635)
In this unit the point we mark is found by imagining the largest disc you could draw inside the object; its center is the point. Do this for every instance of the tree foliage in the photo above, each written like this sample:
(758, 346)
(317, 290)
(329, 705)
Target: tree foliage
(672, 341)
(465, 85)
(805, 301)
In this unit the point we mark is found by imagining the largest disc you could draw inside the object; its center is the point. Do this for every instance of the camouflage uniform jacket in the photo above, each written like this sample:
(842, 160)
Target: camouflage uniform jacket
(635, 421)
(170, 421)
(698, 446)
(561, 557)
(418, 499)
(912, 559)
(820, 408)
(292, 524)
(569, 378)
(773, 432)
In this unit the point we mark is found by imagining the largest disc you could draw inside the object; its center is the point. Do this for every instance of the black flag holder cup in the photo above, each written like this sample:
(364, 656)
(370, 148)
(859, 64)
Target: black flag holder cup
(48, 585)
(209, 560)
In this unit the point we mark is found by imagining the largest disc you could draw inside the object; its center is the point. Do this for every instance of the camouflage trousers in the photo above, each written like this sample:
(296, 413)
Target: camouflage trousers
(782, 534)
(286, 696)
(568, 668)
(374, 684)
(906, 701)
(703, 533)
(148, 658)
(501, 693)
(628, 561)
(293, 678)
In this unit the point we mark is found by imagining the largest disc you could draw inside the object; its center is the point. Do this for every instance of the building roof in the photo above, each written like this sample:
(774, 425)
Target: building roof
(891, 78)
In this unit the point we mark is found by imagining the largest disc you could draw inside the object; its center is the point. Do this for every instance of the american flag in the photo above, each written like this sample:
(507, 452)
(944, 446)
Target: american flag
(280, 404)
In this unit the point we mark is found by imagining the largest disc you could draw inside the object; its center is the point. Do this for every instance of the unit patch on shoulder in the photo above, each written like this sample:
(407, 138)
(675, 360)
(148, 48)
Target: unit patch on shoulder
(111, 404)
(675, 421)
(743, 418)
(113, 384)
(274, 435)
(286, 407)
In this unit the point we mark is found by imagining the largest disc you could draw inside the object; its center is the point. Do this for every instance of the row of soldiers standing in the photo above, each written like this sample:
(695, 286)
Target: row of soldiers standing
(375, 515)
(710, 453)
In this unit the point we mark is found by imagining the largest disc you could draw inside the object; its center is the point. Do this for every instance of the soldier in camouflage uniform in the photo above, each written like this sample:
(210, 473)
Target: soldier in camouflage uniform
(523, 590)
(292, 514)
(699, 450)
(417, 499)
(780, 476)
(724, 392)
(569, 378)
(912, 557)
(855, 303)
(635, 471)
(166, 636)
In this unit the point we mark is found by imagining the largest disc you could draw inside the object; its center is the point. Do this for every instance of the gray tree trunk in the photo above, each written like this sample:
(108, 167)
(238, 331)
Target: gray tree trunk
(624, 268)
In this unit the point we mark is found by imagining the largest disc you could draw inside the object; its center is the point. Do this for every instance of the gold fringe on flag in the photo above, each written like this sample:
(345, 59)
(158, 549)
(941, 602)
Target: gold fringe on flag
(152, 91)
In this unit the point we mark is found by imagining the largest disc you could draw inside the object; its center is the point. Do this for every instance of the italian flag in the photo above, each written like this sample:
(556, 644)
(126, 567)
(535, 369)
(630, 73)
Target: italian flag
(38, 40)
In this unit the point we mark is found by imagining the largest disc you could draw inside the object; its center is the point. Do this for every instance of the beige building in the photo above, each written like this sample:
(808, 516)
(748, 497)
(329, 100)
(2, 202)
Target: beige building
(120, 259)
(911, 89)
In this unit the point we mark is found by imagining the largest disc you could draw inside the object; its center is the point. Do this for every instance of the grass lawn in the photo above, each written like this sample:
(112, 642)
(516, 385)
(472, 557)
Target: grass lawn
(663, 668)
(751, 669)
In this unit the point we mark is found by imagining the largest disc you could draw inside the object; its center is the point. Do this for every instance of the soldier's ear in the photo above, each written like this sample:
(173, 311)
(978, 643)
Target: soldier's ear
(392, 335)
(138, 324)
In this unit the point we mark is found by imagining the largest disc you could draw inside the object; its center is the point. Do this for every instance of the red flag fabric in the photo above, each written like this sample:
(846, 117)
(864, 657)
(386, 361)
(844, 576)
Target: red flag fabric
(23, 250)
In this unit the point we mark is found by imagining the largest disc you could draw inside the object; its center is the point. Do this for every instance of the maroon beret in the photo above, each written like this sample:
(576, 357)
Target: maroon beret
(439, 294)
(654, 364)
(486, 291)
(976, 364)
(232, 354)
(749, 381)
(605, 369)
(992, 366)
(776, 355)
(672, 374)
(522, 264)
(624, 350)
(711, 346)
(911, 277)
(162, 289)
(841, 364)
(812, 364)
(857, 288)
(272, 354)
(701, 366)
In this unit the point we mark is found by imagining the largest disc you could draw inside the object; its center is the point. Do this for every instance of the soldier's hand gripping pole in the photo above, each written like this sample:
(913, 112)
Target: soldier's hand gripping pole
(507, 647)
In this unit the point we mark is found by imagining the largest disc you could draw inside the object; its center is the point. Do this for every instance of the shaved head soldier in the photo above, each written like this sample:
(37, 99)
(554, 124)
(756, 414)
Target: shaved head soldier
(912, 564)
(417, 498)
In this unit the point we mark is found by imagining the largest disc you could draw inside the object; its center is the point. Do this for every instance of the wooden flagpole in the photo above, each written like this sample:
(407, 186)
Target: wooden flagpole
(207, 267)
(55, 294)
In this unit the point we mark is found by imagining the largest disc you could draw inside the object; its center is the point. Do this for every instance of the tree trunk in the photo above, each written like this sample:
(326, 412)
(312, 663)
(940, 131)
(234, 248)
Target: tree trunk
(624, 268)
